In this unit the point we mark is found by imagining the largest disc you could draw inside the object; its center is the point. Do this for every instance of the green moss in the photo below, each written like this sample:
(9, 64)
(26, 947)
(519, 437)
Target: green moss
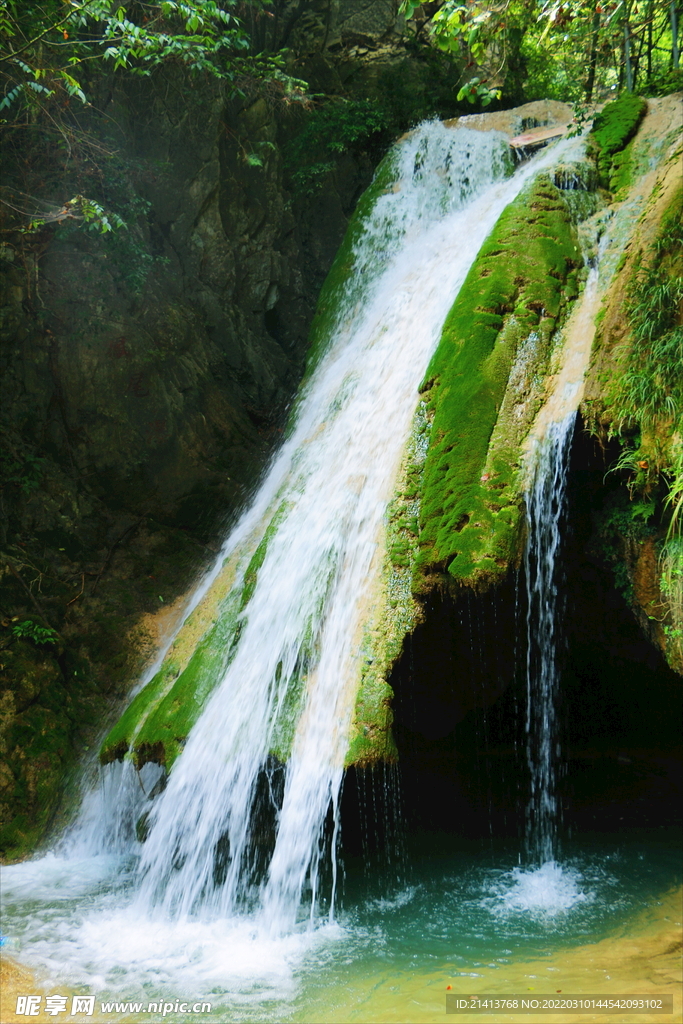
(372, 739)
(638, 395)
(612, 129)
(168, 721)
(119, 739)
(156, 724)
(622, 169)
(458, 503)
(649, 388)
(158, 720)
(287, 718)
(200, 624)
(513, 297)
(251, 574)
(671, 588)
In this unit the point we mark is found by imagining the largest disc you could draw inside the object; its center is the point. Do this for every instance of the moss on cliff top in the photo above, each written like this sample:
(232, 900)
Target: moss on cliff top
(612, 129)
(516, 289)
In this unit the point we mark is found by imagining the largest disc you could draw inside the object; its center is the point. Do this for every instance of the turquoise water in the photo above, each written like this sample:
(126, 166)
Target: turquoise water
(467, 907)
(470, 918)
(480, 924)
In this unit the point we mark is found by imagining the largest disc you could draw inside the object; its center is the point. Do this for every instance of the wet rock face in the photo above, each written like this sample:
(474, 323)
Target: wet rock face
(146, 376)
(42, 707)
(160, 361)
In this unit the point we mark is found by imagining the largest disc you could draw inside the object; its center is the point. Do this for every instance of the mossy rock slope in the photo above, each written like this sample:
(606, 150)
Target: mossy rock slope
(612, 129)
(508, 309)
(156, 723)
(634, 391)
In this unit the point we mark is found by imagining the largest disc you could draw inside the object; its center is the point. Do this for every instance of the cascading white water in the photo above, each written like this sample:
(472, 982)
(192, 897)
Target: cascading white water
(332, 480)
(298, 649)
(545, 503)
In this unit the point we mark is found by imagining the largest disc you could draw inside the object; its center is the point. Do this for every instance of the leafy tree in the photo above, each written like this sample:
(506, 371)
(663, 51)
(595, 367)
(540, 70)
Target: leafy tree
(328, 132)
(45, 51)
(624, 41)
(52, 52)
(563, 49)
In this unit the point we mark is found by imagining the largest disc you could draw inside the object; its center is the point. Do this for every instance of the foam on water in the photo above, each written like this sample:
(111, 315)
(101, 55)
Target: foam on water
(54, 878)
(77, 919)
(459, 917)
(547, 890)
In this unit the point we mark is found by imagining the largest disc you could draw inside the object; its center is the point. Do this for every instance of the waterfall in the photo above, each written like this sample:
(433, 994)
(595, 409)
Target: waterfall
(545, 503)
(236, 829)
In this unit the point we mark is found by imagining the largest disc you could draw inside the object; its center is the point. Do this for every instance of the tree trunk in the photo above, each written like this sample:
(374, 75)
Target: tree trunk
(674, 34)
(593, 59)
(627, 56)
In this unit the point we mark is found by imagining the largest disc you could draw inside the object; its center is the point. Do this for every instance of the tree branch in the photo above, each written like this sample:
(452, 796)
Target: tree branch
(51, 28)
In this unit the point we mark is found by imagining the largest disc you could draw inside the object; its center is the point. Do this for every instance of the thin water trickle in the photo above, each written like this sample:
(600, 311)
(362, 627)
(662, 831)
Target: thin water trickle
(545, 502)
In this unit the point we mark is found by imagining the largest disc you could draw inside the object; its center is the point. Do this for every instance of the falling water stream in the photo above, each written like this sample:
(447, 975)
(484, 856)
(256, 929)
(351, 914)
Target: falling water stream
(329, 488)
(192, 912)
(545, 504)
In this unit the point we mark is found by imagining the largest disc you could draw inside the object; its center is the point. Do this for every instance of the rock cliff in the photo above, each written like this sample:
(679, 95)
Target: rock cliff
(146, 374)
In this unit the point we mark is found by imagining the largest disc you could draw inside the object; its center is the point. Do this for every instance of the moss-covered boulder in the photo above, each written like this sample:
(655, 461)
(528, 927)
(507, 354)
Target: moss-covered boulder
(156, 723)
(504, 318)
(612, 129)
(456, 515)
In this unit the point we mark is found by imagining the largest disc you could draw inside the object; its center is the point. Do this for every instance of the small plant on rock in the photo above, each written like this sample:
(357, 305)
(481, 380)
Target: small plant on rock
(30, 630)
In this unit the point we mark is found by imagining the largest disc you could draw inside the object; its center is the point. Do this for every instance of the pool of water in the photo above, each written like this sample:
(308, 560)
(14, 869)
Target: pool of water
(472, 920)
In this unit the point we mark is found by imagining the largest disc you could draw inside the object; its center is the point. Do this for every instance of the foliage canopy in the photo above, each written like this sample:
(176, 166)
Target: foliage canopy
(46, 52)
(53, 55)
(557, 49)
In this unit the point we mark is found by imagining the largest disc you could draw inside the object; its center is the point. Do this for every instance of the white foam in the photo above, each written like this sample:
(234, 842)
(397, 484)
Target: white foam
(101, 942)
(55, 878)
(548, 890)
(402, 899)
